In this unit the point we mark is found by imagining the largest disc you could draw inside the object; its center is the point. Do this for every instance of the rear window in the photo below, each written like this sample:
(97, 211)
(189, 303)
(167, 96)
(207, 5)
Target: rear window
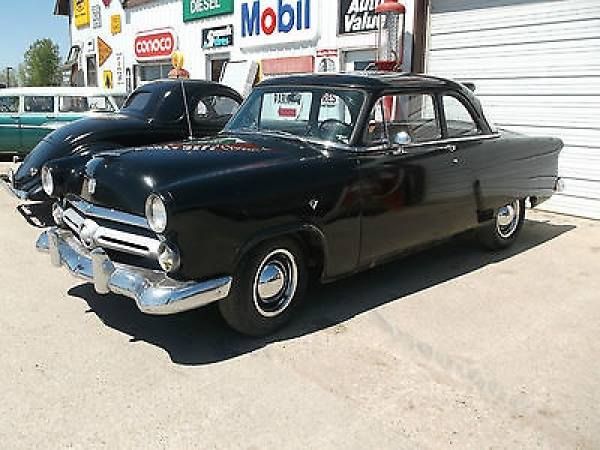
(138, 101)
(9, 104)
(39, 104)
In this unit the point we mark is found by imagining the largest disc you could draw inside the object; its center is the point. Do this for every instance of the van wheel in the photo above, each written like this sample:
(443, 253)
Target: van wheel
(503, 230)
(268, 288)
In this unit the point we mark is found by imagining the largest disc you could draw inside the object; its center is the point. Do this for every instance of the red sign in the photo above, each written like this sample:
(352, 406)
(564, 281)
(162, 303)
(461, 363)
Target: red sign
(106, 3)
(157, 44)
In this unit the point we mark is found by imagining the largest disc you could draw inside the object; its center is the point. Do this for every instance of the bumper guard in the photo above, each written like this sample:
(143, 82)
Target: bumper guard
(153, 291)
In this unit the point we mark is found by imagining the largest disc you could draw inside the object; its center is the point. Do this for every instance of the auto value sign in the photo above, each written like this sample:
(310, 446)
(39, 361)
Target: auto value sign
(199, 9)
(155, 44)
(217, 37)
(356, 16)
(272, 22)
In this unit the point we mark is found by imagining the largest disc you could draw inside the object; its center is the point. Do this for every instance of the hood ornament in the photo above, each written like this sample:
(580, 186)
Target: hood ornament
(313, 204)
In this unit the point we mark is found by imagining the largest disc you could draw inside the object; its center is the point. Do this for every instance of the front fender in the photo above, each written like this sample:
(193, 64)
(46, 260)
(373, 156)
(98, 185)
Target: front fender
(311, 238)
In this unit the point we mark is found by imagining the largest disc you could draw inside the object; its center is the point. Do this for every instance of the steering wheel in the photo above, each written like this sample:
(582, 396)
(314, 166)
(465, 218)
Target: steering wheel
(334, 125)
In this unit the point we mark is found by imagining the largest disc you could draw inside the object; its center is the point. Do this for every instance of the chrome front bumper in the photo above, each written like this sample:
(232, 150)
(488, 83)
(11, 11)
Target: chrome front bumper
(153, 291)
(23, 195)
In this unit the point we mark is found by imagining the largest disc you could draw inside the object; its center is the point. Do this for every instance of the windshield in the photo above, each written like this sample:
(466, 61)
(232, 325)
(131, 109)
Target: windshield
(321, 114)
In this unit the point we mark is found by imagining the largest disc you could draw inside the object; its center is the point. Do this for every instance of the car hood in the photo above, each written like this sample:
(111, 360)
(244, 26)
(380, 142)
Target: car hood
(66, 139)
(124, 178)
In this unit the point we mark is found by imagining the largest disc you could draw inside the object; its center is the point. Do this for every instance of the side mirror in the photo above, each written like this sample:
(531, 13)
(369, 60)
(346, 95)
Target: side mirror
(402, 138)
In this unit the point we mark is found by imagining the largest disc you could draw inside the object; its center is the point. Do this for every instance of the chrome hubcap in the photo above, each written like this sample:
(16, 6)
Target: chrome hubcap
(507, 219)
(275, 283)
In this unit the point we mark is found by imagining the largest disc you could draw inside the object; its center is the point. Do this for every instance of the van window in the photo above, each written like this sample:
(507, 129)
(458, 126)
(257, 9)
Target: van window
(39, 104)
(9, 104)
(79, 104)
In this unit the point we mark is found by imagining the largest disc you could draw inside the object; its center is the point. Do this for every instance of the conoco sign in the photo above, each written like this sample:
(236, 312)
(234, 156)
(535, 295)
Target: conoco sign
(155, 44)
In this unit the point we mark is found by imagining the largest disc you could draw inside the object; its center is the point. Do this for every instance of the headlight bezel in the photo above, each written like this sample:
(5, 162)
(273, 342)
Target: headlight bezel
(157, 215)
(48, 184)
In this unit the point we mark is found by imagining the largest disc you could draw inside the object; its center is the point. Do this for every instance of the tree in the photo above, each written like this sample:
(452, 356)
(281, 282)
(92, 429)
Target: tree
(13, 76)
(41, 64)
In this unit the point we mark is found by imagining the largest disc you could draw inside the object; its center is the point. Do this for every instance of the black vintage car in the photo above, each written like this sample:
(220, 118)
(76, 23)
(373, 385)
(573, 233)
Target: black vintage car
(324, 174)
(152, 114)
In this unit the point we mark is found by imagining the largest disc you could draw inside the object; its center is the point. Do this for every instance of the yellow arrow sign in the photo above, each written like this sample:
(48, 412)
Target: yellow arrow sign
(104, 51)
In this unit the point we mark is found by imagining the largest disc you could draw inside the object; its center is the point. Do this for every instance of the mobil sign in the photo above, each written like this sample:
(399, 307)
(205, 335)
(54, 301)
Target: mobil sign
(272, 22)
(155, 44)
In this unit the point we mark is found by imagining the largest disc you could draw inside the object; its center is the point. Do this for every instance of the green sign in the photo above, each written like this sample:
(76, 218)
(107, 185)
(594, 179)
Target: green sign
(200, 9)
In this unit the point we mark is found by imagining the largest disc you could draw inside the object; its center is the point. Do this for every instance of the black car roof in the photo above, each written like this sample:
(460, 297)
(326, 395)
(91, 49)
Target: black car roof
(366, 80)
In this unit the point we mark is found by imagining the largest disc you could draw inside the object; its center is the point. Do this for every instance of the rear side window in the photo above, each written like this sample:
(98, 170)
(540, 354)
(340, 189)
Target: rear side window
(39, 104)
(459, 121)
(9, 104)
(215, 107)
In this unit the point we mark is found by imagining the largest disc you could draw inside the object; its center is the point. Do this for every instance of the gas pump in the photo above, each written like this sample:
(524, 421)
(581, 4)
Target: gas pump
(390, 35)
(390, 43)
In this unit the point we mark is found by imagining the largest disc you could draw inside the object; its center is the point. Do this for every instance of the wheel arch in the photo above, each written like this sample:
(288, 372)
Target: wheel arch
(308, 236)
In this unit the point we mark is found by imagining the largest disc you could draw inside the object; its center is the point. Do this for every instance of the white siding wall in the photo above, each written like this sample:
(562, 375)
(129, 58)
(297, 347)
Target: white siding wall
(536, 65)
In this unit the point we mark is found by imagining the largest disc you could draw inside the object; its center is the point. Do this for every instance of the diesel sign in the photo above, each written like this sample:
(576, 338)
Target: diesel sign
(199, 9)
(157, 44)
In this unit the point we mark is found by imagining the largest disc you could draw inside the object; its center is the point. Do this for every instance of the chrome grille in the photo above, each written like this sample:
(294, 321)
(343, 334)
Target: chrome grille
(92, 234)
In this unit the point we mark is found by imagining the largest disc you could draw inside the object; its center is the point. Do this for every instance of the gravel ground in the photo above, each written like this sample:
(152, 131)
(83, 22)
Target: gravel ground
(453, 347)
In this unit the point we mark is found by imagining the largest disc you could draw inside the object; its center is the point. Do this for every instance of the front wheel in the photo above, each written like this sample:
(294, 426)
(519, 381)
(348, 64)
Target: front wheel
(269, 286)
(504, 229)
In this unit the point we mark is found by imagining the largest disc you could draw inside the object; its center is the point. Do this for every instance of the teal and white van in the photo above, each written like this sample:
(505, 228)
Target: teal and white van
(28, 114)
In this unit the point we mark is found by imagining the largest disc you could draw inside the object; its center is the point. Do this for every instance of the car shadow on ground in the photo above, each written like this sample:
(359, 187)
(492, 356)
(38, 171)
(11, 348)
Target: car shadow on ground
(202, 337)
(37, 215)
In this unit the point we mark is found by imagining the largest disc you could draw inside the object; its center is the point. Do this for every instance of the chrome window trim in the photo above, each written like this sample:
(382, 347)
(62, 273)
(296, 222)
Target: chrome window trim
(100, 212)
(452, 140)
(440, 142)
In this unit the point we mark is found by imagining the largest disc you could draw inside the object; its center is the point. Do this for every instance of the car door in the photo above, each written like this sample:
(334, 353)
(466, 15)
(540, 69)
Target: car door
(37, 114)
(414, 189)
(10, 134)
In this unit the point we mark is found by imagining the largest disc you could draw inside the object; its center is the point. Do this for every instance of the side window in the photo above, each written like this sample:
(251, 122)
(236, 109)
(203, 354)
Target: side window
(39, 104)
(72, 104)
(9, 104)
(413, 115)
(215, 107)
(99, 103)
(171, 108)
(376, 132)
(403, 118)
(459, 121)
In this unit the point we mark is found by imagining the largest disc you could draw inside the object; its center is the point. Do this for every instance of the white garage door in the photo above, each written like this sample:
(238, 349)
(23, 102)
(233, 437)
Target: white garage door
(536, 65)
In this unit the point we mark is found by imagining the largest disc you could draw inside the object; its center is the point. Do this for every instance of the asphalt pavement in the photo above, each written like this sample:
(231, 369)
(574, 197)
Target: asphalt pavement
(453, 347)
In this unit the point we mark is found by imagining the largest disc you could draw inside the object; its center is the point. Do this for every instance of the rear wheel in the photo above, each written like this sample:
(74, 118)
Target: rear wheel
(504, 229)
(269, 286)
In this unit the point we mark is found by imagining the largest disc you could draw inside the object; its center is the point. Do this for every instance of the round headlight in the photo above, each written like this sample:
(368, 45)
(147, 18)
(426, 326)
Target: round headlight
(47, 181)
(168, 257)
(156, 213)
